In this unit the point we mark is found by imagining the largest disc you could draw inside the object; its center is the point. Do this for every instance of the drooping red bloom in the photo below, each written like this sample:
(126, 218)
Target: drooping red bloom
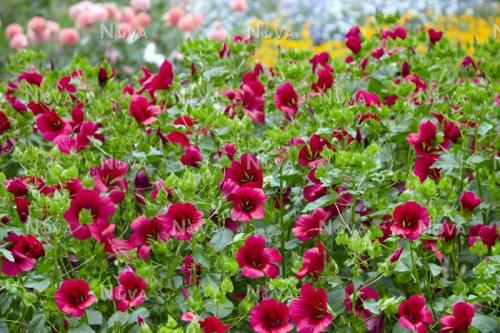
(103, 77)
(414, 315)
(469, 201)
(308, 226)
(192, 156)
(4, 123)
(434, 35)
(51, 125)
(244, 173)
(270, 316)
(449, 230)
(159, 81)
(131, 292)
(95, 205)
(142, 110)
(143, 231)
(396, 254)
(287, 100)
(190, 270)
(257, 260)
(25, 250)
(423, 167)
(182, 219)
(410, 220)
(423, 140)
(310, 155)
(362, 294)
(248, 204)
(310, 311)
(363, 96)
(212, 324)
(487, 234)
(460, 320)
(313, 262)
(73, 297)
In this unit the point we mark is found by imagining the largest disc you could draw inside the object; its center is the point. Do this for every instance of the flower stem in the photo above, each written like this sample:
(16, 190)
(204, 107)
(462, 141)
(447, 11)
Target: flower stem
(414, 264)
(282, 224)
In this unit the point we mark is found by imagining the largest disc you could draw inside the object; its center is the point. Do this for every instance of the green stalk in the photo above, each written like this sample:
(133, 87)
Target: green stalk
(414, 264)
(282, 224)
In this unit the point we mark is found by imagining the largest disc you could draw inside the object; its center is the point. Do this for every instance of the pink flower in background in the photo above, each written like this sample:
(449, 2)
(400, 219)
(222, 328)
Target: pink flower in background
(13, 29)
(69, 36)
(19, 41)
(142, 20)
(73, 297)
(257, 260)
(190, 22)
(173, 15)
(270, 316)
(140, 5)
(218, 32)
(239, 5)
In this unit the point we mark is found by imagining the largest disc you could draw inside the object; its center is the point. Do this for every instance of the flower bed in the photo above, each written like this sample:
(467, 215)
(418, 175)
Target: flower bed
(357, 194)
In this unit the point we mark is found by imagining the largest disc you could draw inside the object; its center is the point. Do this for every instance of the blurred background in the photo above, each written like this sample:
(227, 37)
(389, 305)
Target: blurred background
(134, 32)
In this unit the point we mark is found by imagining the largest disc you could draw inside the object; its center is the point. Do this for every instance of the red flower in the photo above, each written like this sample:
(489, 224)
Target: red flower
(320, 59)
(423, 167)
(395, 256)
(22, 208)
(98, 207)
(17, 186)
(410, 220)
(145, 230)
(313, 262)
(378, 52)
(142, 111)
(310, 155)
(451, 131)
(130, 292)
(309, 226)
(487, 234)
(182, 219)
(461, 319)
(73, 297)
(434, 35)
(314, 192)
(110, 176)
(190, 270)
(325, 79)
(257, 260)
(213, 324)
(50, 125)
(32, 77)
(424, 138)
(160, 81)
(353, 43)
(414, 315)
(192, 156)
(310, 311)
(4, 123)
(449, 231)
(287, 100)
(270, 316)
(362, 294)
(469, 201)
(25, 250)
(363, 96)
(245, 173)
(248, 204)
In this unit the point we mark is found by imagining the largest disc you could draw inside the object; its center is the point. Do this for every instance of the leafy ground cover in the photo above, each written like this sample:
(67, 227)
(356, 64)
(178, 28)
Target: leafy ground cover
(352, 194)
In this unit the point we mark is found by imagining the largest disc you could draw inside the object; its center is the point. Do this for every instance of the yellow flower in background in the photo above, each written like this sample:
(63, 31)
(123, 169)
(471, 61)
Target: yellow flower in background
(463, 29)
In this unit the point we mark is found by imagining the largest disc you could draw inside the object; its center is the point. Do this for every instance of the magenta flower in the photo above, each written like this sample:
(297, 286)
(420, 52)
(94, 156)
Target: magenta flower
(143, 231)
(142, 110)
(460, 320)
(487, 234)
(130, 293)
(51, 125)
(270, 316)
(248, 204)
(73, 297)
(287, 100)
(434, 35)
(244, 173)
(212, 324)
(362, 294)
(25, 250)
(257, 260)
(95, 205)
(309, 226)
(414, 315)
(310, 312)
(313, 262)
(310, 155)
(469, 201)
(182, 220)
(192, 157)
(410, 220)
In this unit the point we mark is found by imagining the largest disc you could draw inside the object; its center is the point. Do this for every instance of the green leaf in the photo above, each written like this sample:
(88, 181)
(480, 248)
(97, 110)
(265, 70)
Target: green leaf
(38, 282)
(475, 159)
(37, 324)
(7, 254)
(221, 238)
(435, 269)
(3, 327)
(447, 162)
(83, 328)
(372, 305)
(485, 324)
(94, 317)
(323, 201)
